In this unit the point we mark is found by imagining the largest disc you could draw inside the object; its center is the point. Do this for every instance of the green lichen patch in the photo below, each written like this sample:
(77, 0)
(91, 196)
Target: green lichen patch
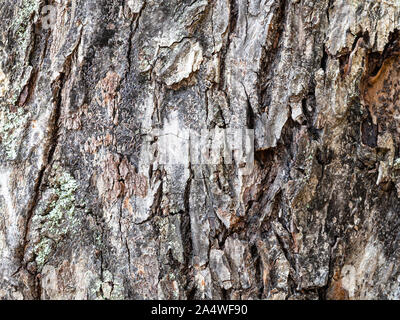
(396, 164)
(43, 250)
(63, 208)
(20, 25)
(12, 125)
(57, 218)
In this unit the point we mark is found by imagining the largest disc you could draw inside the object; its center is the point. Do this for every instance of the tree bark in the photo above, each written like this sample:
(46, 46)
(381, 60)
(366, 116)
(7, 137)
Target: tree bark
(89, 89)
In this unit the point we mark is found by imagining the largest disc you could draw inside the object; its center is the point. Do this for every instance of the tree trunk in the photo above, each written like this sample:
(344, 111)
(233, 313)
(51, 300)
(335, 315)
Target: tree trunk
(96, 94)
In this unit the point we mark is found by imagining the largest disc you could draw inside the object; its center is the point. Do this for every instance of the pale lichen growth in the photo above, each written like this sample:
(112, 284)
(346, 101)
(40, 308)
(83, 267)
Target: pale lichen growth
(3, 84)
(396, 164)
(25, 12)
(64, 207)
(43, 250)
(12, 125)
(60, 220)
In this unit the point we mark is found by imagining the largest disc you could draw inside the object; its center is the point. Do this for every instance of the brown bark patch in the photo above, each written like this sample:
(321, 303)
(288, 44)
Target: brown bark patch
(380, 90)
(109, 97)
(93, 144)
(336, 290)
(381, 95)
(118, 179)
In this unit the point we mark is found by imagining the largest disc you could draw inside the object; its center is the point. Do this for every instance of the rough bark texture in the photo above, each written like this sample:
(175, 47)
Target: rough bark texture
(85, 215)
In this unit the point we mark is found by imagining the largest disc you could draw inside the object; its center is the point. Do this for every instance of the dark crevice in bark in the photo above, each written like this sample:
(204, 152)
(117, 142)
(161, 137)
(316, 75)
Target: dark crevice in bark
(250, 121)
(376, 59)
(324, 58)
(256, 259)
(369, 132)
(186, 232)
(330, 5)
